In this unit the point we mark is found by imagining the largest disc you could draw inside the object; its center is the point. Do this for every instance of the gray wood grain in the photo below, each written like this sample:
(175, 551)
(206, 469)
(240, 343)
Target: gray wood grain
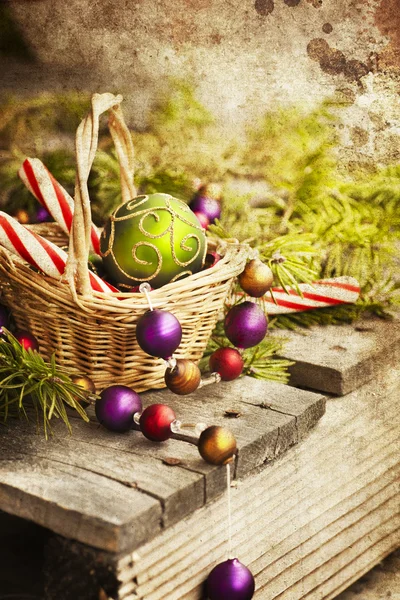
(339, 359)
(77, 503)
(267, 411)
(114, 491)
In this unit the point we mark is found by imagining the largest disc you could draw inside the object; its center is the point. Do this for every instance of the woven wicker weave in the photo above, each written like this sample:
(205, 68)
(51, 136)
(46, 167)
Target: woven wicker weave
(94, 333)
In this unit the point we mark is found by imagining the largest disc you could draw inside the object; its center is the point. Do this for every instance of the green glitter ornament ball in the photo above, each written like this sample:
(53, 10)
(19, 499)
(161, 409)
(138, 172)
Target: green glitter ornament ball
(154, 238)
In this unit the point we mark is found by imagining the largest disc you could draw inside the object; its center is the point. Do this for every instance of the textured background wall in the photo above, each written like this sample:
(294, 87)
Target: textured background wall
(244, 55)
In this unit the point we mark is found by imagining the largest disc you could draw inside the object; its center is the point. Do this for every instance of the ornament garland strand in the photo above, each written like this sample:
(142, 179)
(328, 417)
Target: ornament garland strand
(159, 334)
(152, 239)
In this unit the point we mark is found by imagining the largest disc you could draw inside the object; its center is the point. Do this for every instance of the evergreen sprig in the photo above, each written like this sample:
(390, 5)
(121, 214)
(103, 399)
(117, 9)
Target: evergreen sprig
(260, 362)
(27, 381)
(285, 192)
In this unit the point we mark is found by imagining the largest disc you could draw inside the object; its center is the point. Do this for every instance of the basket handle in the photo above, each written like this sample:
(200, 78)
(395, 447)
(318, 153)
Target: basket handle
(87, 135)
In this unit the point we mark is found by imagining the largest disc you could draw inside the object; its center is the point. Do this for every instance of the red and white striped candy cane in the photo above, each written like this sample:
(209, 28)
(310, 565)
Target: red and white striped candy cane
(40, 253)
(56, 200)
(327, 292)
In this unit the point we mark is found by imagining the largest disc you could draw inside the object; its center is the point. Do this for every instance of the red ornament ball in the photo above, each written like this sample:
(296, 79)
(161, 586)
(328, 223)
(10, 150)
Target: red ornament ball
(203, 219)
(227, 362)
(27, 340)
(155, 422)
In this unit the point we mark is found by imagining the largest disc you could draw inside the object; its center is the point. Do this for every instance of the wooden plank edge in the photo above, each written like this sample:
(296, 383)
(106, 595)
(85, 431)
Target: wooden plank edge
(258, 501)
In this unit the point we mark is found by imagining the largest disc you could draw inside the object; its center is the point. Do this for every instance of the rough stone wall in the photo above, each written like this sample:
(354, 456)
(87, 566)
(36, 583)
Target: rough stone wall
(244, 55)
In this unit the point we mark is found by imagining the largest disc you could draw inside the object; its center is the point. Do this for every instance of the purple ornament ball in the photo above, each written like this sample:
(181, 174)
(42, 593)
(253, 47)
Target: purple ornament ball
(245, 325)
(209, 207)
(42, 215)
(116, 406)
(158, 333)
(230, 580)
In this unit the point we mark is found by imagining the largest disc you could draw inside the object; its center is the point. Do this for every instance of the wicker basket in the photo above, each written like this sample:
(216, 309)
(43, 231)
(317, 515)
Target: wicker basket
(92, 332)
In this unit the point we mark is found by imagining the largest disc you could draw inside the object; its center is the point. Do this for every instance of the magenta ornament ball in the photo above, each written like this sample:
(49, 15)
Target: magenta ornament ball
(209, 207)
(230, 580)
(158, 333)
(116, 406)
(245, 325)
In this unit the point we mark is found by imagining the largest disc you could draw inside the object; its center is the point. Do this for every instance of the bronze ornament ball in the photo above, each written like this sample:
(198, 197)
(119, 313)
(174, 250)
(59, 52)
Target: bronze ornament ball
(184, 378)
(217, 445)
(154, 238)
(86, 383)
(256, 279)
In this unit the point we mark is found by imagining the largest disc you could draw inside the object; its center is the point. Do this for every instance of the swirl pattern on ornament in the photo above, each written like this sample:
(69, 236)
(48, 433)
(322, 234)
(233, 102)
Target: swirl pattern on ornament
(146, 262)
(166, 221)
(151, 213)
(186, 248)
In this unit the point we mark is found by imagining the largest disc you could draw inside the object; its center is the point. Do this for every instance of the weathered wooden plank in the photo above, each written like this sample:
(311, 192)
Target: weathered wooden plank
(318, 490)
(179, 491)
(76, 503)
(248, 540)
(138, 446)
(311, 568)
(347, 423)
(246, 527)
(339, 359)
(267, 411)
(361, 565)
(360, 538)
(96, 459)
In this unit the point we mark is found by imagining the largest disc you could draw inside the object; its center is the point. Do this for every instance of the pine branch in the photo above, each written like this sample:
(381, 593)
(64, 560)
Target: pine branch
(260, 362)
(27, 381)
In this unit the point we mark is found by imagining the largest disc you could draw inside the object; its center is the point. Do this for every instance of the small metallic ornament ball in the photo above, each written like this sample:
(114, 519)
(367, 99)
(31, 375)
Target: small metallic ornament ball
(230, 580)
(158, 333)
(116, 407)
(245, 325)
(22, 216)
(86, 383)
(217, 445)
(155, 422)
(256, 279)
(184, 378)
(27, 340)
(227, 362)
(209, 207)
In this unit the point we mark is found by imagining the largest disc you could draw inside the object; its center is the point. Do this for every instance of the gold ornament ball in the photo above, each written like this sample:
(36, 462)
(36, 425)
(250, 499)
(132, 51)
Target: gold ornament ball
(217, 445)
(86, 383)
(184, 378)
(256, 279)
(22, 216)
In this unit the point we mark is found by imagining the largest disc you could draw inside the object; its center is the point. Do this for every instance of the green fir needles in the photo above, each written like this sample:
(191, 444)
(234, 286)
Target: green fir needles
(30, 385)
